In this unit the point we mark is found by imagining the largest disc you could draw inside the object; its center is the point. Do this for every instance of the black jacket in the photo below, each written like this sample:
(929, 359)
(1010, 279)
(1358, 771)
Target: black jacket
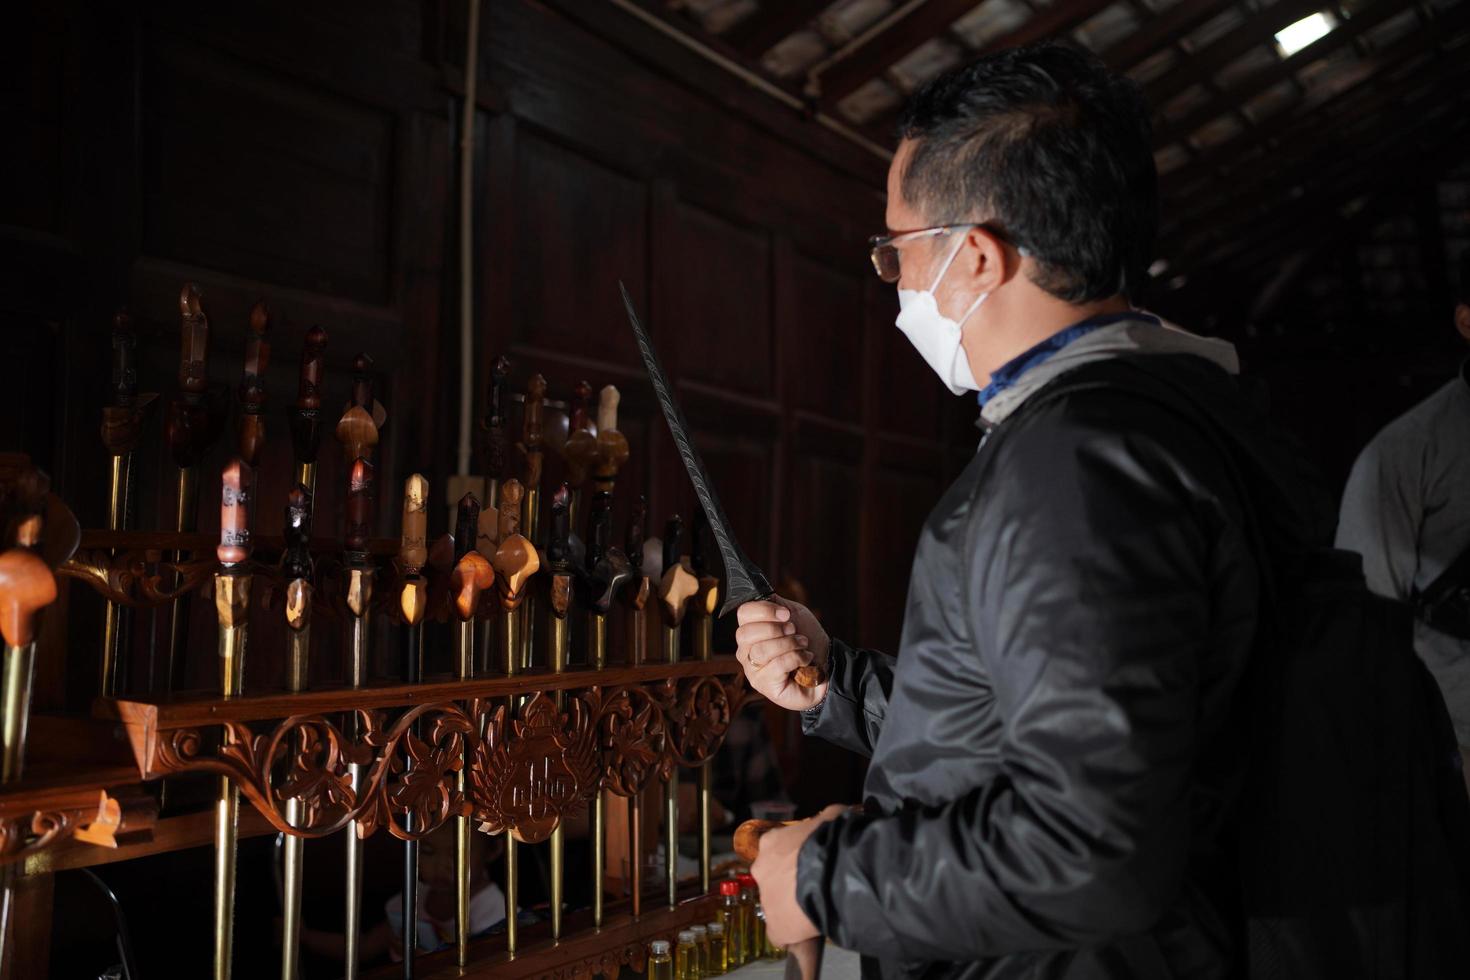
(1053, 760)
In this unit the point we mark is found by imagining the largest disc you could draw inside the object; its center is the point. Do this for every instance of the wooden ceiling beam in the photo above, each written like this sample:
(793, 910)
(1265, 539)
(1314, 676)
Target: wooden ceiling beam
(1055, 20)
(1308, 127)
(1324, 223)
(1298, 121)
(1305, 115)
(1303, 180)
(772, 23)
(1260, 81)
(1279, 170)
(1201, 65)
(1394, 154)
(878, 53)
(1161, 31)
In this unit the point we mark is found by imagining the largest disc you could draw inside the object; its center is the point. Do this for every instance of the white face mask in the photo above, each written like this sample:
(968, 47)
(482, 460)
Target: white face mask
(935, 336)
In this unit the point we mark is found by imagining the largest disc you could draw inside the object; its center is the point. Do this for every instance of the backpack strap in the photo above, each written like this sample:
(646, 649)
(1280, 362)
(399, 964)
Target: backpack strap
(1445, 603)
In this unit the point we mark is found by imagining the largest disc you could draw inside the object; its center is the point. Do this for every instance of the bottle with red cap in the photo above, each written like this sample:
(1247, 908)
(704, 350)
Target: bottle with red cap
(747, 918)
(733, 921)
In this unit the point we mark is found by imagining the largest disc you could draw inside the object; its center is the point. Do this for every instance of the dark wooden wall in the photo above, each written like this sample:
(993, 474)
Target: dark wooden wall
(307, 155)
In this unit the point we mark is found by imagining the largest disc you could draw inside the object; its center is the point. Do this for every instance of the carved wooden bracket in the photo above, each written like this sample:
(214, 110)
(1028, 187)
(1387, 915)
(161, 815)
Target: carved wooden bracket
(528, 768)
(32, 820)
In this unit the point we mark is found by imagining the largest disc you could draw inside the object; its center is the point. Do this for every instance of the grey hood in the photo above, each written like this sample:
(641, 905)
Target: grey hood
(1127, 337)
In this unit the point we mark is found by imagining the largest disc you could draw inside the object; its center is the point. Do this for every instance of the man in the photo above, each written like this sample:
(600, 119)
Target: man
(1407, 510)
(1052, 758)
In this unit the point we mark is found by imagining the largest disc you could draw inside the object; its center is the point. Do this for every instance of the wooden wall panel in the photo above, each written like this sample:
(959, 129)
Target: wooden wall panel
(262, 177)
(826, 332)
(902, 499)
(822, 537)
(34, 163)
(308, 155)
(716, 280)
(580, 226)
(914, 412)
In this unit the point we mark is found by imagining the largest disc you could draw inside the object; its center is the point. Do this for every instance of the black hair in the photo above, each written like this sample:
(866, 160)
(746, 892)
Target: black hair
(1462, 281)
(1052, 147)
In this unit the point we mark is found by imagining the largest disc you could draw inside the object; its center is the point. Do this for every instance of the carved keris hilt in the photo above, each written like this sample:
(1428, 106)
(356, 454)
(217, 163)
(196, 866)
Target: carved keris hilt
(122, 421)
(679, 583)
(357, 430)
(361, 498)
(189, 430)
(26, 587)
(296, 563)
(236, 490)
(306, 429)
(607, 570)
(516, 558)
(495, 425)
(252, 385)
(612, 447)
(530, 444)
(580, 449)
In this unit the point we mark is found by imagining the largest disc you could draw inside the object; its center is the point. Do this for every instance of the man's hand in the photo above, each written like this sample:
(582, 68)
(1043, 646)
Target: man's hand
(776, 636)
(774, 869)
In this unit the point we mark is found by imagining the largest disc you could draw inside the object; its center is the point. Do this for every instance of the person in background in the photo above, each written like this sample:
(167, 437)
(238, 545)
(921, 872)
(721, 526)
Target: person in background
(436, 901)
(437, 896)
(1406, 510)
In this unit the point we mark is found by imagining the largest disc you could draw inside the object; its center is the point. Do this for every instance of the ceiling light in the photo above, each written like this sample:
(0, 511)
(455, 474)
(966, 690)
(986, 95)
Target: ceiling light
(1294, 37)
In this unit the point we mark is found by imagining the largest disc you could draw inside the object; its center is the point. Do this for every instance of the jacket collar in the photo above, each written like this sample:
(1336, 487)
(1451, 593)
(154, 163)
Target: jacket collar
(1135, 332)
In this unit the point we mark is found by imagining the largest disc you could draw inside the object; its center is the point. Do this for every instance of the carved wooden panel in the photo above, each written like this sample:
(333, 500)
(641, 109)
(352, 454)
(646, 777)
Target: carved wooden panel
(240, 167)
(534, 769)
(579, 227)
(528, 768)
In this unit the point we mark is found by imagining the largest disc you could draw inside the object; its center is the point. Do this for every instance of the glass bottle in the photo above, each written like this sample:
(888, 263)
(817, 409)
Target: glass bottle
(747, 916)
(701, 944)
(660, 963)
(718, 957)
(733, 921)
(686, 957)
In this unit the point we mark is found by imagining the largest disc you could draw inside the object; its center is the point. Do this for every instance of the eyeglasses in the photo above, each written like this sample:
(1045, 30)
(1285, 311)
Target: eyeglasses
(884, 248)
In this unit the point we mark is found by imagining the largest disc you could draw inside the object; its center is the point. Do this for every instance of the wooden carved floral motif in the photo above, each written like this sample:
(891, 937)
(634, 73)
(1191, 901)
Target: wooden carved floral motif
(700, 709)
(138, 578)
(405, 773)
(32, 822)
(528, 770)
(531, 772)
(633, 740)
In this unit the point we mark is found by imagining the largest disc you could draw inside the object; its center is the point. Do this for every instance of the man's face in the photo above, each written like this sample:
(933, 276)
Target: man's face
(920, 259)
